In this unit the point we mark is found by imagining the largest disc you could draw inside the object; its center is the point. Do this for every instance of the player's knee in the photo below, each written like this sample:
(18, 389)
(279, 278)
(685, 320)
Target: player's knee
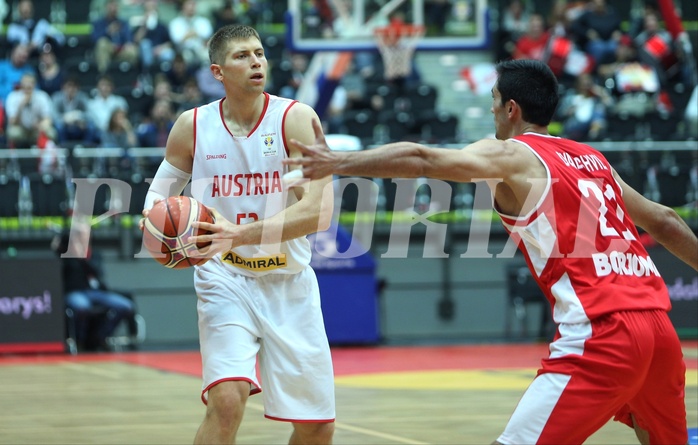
(226, 402)
(314, 433)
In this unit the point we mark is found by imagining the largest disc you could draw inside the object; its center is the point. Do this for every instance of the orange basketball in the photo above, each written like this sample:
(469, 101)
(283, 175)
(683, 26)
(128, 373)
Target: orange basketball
(168, 227)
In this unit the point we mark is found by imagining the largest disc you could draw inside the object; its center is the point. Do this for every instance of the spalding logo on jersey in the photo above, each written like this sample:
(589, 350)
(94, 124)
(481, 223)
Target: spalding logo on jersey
(269, 145)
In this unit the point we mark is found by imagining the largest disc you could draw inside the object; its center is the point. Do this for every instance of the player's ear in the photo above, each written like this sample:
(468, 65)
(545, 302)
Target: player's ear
(216, 71)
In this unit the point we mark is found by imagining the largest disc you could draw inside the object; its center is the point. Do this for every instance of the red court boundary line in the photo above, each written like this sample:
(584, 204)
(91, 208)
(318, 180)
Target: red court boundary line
(17, 348)
(347, 360)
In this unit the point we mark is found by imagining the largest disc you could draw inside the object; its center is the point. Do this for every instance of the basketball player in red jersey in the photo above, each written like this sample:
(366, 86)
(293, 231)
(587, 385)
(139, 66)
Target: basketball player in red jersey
(615, 353)
(258, 298)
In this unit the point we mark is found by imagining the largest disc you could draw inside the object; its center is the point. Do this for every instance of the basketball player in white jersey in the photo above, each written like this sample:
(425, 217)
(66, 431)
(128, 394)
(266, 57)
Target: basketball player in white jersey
(258, 299)
(615, 353)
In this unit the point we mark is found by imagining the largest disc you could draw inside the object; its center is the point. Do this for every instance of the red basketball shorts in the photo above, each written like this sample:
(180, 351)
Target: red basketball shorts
(617, 365)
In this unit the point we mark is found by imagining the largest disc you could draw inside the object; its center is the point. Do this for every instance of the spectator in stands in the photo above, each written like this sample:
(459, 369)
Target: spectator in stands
(598, 31)
(112, 38)
(153, 131)
(514, 24)
(119, 132)
(354, 82)
(12, 70)
(180, 73)
(583, 110)
(102, 106)
(625, 54)
(210, 87)
(191, 97)
(637, 22)
(635, 85)
(70, 108)
(251, 11)
(162, 90)
(336, 109)
(656, 47)
(152, 37)
(33, 33)
(51, 74)
(29, 114)
(319, 20)
(190, 33)
(228, 15)
(85, 289)
(294, 79)
(533, 43)
(563, 14)
(515, 20)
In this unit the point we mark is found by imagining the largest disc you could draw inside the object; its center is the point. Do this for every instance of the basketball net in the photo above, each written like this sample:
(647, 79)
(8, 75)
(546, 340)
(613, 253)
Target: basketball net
(396, 43)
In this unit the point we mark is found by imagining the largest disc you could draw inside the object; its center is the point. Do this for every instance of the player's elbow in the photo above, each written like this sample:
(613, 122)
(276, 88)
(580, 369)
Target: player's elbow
(665, 224)
(324, 222)
(423, 164)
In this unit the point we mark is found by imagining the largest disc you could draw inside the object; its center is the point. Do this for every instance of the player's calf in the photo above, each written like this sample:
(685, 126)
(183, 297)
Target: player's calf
(312, 433)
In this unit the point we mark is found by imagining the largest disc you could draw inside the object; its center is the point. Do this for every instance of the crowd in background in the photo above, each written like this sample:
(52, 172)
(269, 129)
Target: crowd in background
(146, 71)
(612, 68)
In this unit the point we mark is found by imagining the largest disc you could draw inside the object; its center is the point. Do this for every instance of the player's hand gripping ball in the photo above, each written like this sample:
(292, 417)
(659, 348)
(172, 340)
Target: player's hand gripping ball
(168, 227)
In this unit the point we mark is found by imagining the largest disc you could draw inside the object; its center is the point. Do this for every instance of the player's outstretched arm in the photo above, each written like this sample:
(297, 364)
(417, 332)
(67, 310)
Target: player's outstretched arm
(662, 223)
(401, 159)
(484, 159)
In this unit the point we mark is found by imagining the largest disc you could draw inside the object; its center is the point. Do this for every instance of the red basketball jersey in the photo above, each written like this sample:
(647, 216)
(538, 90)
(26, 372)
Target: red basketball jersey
(579, 242)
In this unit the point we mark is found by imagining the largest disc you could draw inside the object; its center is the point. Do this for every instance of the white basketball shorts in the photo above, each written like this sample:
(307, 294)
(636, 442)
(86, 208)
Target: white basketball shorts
(277, 319)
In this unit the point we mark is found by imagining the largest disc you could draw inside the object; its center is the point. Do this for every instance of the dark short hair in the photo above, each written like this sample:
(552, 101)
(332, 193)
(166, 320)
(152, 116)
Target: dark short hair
(72, 80)
(105, 77)
(218, 44)
(532, 85)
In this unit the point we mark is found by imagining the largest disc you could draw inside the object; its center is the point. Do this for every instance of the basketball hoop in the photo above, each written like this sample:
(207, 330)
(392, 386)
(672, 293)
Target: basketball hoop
(397, 43)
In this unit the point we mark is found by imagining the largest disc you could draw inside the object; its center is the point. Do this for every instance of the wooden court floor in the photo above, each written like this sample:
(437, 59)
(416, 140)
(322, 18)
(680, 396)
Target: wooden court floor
(385, 395)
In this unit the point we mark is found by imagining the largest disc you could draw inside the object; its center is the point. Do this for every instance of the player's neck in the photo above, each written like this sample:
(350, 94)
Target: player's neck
(527, 127)
(242, 113)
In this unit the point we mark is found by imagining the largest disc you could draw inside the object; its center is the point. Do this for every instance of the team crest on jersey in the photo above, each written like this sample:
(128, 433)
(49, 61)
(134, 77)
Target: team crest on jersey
(270, 147)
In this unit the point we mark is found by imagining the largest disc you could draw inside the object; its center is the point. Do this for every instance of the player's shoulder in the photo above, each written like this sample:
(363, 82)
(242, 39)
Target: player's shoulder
(299, 110)
(184, 126)
(508, 158)
(493, 147)
(186, 117)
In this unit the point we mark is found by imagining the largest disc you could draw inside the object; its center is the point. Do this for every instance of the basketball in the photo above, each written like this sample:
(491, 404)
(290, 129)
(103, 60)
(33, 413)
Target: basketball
(168, 227)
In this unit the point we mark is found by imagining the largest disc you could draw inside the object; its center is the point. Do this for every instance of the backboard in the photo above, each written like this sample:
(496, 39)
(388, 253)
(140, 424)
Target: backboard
(349, 25)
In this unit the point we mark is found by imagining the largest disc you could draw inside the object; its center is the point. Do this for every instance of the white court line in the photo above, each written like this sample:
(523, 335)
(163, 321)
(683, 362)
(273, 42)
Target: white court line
(391, 437)
(91, 370)
(356, 429)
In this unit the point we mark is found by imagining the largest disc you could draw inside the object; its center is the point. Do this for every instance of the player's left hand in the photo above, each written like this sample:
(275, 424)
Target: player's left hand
(145, 213)
(221, 234)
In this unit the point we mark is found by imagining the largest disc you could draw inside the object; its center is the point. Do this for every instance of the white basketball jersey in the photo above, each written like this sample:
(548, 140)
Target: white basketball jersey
(240, 176)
